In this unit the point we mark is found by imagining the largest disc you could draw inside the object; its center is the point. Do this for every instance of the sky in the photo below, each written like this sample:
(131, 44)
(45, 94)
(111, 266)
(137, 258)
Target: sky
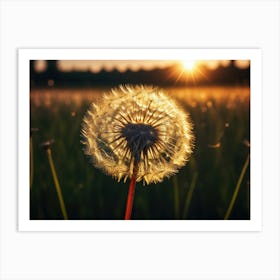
(122, 65)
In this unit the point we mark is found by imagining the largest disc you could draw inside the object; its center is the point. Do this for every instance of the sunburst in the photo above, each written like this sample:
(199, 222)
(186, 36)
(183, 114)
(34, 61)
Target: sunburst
(189, 65)
(187, 71)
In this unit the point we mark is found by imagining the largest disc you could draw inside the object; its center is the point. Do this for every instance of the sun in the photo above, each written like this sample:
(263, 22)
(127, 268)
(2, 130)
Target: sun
(186, 71)
(189, 65)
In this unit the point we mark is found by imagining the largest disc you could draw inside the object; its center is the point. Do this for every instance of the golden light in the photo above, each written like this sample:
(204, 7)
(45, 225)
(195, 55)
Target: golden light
(187, 71)
(189, 65)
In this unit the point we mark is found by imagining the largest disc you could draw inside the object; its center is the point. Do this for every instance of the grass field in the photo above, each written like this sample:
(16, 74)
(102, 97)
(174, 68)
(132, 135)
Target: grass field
(202, 189)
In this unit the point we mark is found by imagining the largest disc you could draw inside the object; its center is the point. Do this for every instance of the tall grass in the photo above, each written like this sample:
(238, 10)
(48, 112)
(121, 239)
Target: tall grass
(237, 187)
(31, 162)
(189, 196)
(56, 184)
(176, 197)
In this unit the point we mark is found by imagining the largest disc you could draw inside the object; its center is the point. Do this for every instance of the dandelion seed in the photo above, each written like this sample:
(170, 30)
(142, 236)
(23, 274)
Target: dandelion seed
(47, 144)
(137, 125)
(246, 143)
(215, 146)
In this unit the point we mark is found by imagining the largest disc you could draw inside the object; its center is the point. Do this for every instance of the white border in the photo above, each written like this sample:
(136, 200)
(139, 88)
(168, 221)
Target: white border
(25, 55)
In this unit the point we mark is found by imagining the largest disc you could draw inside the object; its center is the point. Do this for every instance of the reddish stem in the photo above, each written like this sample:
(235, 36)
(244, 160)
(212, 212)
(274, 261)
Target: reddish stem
(130, 196)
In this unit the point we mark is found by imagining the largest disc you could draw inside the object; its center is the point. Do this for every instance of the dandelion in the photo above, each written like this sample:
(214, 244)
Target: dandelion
(138, 133)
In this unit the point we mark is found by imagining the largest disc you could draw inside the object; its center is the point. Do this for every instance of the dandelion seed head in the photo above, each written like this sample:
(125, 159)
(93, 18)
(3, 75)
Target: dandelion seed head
(137, 124)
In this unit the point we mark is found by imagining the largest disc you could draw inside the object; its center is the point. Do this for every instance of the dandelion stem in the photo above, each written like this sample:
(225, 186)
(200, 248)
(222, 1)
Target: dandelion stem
(131, 191)
(237, 187)
(57, 186)
(31, 162)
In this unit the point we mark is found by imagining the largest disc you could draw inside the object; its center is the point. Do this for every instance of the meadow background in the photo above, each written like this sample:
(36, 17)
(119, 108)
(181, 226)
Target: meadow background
(201, 190)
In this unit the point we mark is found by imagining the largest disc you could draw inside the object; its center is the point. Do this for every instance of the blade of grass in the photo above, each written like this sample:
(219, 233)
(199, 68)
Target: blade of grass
(57, 185)
(248, 196)
(189, 195)
(237, 187)
(176, 197)
(31, 162)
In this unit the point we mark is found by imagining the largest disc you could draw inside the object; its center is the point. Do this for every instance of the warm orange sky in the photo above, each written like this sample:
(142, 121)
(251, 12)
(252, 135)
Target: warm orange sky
(134, 65)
